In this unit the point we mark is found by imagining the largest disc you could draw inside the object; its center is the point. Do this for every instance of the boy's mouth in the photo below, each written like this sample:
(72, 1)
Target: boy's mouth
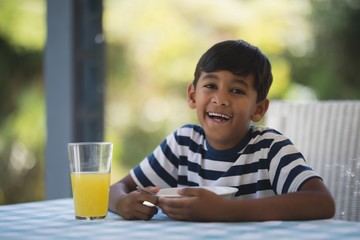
(218, 116)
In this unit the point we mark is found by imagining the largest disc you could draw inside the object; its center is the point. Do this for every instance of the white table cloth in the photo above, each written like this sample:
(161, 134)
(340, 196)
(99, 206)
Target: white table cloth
(54, 219)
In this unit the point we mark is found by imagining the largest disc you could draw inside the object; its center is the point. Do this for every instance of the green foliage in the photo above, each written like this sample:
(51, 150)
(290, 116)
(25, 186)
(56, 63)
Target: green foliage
(331, 68)
(139, 142)
(22, 150)
(22, 23)
(22, 118)
(19, 67)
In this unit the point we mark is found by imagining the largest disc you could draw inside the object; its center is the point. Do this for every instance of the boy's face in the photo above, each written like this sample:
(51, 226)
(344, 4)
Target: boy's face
(225, 104)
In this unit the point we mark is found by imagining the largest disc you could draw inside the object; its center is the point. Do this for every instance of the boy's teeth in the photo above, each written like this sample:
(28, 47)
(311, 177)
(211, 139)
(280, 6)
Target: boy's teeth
(219, 115)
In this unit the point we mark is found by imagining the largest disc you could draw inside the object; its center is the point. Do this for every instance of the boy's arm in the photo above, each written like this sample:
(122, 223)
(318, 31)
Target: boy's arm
(120, 190)
(128, 203)
(313, 201)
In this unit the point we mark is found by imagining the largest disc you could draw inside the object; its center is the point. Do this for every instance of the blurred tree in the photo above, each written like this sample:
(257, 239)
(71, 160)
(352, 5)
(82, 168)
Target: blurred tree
(22, 126)
(331, 67)
(20, 67)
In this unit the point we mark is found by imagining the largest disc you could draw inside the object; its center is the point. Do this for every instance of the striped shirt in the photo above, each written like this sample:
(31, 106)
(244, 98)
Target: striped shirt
(265, 163)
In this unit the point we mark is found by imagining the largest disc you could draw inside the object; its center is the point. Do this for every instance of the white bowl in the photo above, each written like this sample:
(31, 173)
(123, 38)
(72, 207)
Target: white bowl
(226, 192)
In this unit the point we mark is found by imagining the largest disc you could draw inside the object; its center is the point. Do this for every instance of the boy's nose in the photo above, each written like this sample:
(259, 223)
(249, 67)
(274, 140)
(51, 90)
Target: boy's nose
(220, 99)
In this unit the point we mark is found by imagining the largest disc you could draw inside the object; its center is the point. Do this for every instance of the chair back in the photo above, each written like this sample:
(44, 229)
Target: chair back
(328, 135)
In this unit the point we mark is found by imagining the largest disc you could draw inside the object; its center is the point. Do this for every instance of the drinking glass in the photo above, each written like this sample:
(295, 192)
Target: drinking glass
(90, 168)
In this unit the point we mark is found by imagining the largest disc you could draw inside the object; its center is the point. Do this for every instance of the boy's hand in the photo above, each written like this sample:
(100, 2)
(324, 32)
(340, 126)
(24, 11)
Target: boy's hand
(196, 204)
(131, 206)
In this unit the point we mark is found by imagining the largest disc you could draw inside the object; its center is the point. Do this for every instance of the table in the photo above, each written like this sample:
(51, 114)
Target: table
(54, 219)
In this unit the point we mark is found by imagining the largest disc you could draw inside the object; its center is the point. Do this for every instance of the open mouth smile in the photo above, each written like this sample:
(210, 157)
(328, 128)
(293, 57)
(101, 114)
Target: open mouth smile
(219, 116)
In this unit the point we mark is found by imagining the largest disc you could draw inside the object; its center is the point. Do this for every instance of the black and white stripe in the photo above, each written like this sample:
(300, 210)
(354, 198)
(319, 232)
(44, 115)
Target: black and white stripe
(265, 163)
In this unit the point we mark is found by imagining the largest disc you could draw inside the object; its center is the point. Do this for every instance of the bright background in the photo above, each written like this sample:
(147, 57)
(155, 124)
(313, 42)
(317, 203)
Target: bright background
(151, 53)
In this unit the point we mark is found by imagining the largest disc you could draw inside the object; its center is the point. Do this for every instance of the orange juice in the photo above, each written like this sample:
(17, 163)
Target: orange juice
(91, 194)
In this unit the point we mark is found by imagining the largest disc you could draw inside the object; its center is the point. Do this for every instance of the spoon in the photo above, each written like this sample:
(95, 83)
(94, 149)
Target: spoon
(146, 203)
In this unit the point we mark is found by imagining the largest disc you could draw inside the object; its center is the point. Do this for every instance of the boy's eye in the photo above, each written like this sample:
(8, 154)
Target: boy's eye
(210, 85)
(238, 91)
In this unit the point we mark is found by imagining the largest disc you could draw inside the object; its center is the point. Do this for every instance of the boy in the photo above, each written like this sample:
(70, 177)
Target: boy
(230, 88)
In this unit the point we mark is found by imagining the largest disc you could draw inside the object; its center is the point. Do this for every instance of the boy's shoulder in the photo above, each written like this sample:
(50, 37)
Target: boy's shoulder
(190, 131)
(262, 137)
(190, 128)
(258, 129)
(187, 134)
(264, 132)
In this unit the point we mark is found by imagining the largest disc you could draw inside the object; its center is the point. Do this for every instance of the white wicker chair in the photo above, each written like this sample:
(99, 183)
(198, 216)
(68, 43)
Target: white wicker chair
(328, 135)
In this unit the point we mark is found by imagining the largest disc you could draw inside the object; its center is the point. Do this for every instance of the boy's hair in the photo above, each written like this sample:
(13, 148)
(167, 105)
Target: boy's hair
(240, 58)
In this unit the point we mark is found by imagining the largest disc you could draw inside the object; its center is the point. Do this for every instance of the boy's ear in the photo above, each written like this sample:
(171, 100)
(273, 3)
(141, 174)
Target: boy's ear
(260, 111)
(191, 96)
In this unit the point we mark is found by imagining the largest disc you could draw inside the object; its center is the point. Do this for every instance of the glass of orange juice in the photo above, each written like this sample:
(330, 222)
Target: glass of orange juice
(90, 167)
